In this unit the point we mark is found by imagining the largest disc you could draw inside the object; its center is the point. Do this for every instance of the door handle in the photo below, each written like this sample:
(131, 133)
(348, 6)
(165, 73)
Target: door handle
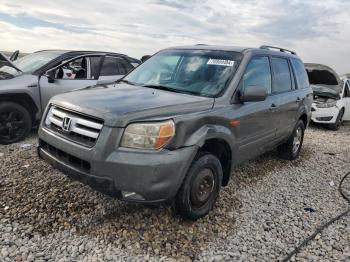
(298, 100)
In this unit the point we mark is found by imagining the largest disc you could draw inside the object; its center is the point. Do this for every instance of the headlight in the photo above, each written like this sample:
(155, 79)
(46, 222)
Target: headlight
(327, 104)
(148, 135)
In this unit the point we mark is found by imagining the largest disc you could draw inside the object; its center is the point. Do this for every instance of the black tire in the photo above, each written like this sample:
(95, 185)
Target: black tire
(15, 123)
(288, 150)
(338, 122)
(200, 188)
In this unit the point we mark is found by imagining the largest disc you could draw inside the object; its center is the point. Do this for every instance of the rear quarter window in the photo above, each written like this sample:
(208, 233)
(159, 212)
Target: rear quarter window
(300, 73)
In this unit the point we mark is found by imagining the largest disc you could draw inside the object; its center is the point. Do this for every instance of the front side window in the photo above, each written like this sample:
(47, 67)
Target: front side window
(197, 72)
(282, 76)
(301, 74)
(258, 73)
(74, 70)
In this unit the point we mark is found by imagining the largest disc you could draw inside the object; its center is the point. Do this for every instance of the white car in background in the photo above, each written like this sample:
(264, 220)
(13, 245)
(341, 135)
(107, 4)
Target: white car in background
(331, 104)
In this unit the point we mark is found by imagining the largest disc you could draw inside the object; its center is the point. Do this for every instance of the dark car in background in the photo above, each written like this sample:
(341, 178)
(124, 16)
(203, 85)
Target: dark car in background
(177, 125)
(28, 83)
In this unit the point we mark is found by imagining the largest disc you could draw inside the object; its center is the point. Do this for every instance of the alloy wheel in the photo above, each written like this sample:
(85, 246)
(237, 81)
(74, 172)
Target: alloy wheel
(12, 125)
(297, 139)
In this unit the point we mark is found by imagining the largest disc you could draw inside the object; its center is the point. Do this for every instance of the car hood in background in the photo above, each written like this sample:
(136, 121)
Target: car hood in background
(121, 104)
(324, 80)
(326, 91)
(7, 62)
(20, 82)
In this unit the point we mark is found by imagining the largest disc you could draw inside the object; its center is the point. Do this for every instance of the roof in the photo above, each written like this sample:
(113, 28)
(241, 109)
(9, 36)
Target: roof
(211, 47)
(77, 52)
(239, 49)
(85, 52)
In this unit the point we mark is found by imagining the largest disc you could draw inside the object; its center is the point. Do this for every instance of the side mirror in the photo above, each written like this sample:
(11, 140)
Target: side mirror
(50, 76)
(253, 94)
(144, 58)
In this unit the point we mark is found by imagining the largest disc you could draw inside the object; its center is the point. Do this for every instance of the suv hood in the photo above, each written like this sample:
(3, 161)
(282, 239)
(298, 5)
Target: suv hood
(121, 104)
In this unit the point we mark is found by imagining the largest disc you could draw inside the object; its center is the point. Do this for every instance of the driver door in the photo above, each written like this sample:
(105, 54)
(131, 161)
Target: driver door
(256, 131)
(73, 74)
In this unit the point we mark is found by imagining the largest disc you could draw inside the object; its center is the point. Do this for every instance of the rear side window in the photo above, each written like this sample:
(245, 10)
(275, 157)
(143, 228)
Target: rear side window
(282, 76)
(300, 73)
(258, 73)
(109, 67)
(123, 67)
(126, 65)
(115, 66)
(95, 64)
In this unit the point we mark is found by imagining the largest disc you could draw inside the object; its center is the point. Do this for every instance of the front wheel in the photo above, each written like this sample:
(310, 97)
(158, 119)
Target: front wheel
(200, 188)
(15, 122)
(291, 149)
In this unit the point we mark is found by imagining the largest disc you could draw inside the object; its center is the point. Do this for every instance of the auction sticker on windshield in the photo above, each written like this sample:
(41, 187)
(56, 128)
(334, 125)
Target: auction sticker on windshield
(220, 62)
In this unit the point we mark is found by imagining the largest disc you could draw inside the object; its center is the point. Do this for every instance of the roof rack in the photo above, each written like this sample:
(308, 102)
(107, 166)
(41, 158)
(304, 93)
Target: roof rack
(278, 48)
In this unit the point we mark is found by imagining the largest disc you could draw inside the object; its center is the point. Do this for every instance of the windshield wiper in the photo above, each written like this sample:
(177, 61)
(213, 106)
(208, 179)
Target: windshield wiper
(125, 81)
(167, 88)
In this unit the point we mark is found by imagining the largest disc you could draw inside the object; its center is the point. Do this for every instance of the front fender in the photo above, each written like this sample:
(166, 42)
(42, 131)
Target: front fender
(207, 132)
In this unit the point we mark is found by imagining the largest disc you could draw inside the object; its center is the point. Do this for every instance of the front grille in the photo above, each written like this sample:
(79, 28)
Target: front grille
(66, 158)
(73, 126)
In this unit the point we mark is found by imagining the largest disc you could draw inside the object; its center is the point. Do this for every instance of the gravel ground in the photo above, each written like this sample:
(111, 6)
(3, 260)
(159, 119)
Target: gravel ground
(260, 216)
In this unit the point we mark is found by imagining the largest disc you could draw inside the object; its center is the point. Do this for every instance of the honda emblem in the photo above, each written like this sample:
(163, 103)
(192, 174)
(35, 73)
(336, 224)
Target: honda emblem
(66, 124)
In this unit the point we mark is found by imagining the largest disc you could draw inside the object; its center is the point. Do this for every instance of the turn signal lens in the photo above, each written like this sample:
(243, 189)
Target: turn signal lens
(148, 135)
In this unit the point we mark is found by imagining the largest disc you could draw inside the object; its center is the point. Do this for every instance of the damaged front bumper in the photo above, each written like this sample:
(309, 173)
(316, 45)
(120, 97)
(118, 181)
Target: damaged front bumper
(130, 175)
(324, 115)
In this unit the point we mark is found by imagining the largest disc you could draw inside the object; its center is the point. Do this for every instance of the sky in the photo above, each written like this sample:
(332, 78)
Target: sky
(318, 30)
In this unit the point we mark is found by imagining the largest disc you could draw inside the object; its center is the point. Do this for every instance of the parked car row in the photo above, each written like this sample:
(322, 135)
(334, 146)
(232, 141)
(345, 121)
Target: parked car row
(174, 127)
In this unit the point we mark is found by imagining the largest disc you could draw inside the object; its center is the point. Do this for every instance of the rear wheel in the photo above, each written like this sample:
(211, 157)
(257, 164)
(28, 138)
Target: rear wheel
(15, 122)
(291, 149)
(338, 122)
(200, 188)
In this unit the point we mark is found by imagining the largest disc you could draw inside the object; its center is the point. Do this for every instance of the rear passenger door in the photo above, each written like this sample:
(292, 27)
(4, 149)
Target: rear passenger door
(113, 68)
(285, 97)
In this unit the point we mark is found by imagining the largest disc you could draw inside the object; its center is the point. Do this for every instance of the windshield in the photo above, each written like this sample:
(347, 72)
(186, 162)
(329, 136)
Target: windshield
(31, 63)
(199, 72)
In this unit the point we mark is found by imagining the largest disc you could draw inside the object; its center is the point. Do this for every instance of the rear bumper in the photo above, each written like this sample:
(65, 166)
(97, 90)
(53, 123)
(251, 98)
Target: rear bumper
(130, 175)
(324, 115)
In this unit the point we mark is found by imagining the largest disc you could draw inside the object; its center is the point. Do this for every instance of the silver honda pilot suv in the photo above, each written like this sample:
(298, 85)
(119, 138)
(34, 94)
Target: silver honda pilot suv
(174, 128)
